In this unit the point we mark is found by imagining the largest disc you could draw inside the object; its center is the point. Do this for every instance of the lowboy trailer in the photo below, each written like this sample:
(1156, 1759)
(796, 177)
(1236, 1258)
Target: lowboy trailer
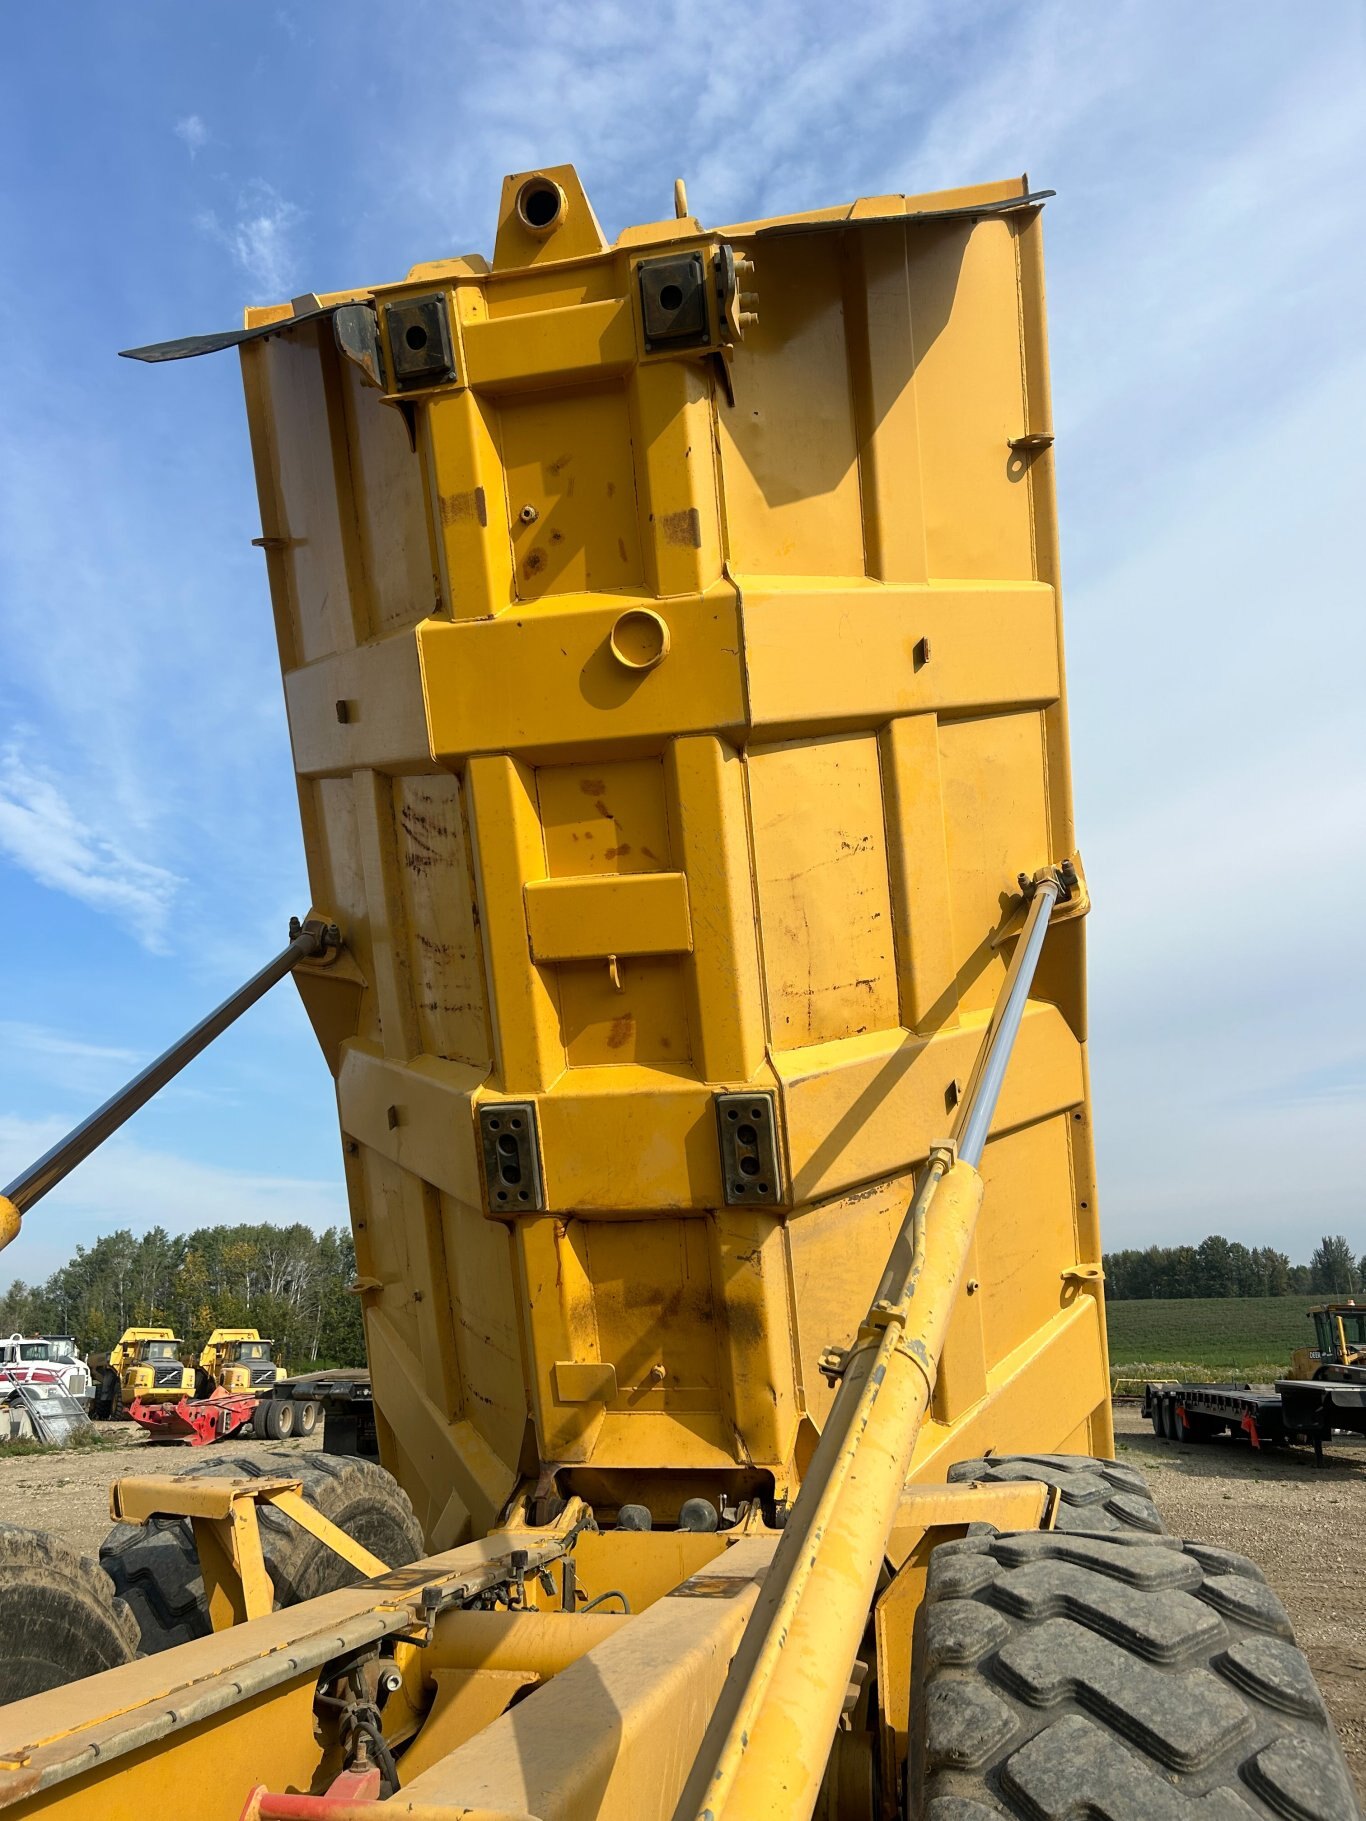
(1291, 1410)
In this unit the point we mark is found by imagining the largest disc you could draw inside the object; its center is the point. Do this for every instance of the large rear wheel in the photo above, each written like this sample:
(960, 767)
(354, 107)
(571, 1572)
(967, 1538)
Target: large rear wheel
(1093, 1494)
(155, 1567)
(1117, 1677)
(59, 1616)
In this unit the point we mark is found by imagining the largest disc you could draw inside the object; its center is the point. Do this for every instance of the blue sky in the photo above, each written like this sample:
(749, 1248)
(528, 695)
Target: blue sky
(164, 165)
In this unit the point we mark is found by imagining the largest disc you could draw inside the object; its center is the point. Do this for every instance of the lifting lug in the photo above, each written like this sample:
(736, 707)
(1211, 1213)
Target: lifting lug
(1064, 877)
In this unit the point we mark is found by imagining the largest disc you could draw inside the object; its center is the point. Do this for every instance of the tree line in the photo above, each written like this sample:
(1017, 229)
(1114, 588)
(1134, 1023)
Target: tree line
(1223, 1267)
(287, 1282)
(290, 1283)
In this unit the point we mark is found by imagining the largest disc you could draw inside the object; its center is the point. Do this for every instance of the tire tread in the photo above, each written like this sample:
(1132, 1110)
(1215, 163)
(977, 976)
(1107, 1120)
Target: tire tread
(1121, 1677)
(1095, 1495)
(156, 1569)
(60, 1617)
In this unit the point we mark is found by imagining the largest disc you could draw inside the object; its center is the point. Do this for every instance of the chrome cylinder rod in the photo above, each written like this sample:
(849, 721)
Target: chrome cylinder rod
(307, 941)
(978, 1106)
(984, 1089)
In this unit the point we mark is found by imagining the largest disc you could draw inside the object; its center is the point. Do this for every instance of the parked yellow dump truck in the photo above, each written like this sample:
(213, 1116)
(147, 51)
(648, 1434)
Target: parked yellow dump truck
(236, 1359)
(239, 1362)
(145, 1364)
(671, 649)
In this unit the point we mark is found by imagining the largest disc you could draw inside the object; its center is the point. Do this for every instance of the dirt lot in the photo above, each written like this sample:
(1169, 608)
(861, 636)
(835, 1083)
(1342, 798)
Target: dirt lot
(1306, 1528)
(68, 1493)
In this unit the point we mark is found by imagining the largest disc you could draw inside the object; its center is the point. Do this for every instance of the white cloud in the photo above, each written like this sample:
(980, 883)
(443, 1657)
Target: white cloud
(70, 1063)
(41, 833)
(139, 685)
(260, 238)
(127, 1184)
(79, 1073)
(896, 95)
(193, 132)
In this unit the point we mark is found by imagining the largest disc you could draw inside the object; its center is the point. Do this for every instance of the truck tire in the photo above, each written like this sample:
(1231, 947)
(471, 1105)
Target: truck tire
(279, 1419)
(1124, 1677)
(155, 1567)
(59, 1616)
(305, 1418)
(1093, 1495)
(106, 1401)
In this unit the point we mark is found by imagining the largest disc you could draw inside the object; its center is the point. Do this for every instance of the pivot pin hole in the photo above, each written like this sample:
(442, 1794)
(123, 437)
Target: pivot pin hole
(540, 203)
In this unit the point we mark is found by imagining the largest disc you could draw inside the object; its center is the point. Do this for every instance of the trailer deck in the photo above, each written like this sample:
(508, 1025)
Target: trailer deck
(1291, 1410)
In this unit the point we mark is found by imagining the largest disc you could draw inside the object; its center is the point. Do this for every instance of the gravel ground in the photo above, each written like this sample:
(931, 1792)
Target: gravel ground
(1305, 1528)
(68, 1493)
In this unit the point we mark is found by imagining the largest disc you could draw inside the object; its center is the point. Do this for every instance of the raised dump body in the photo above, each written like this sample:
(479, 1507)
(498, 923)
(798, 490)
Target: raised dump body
(675, 699)
(670, 638)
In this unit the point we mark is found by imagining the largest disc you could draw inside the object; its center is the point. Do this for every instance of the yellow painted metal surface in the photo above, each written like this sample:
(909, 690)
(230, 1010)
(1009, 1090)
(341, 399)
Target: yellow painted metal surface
(188, 1718)
(504, 1714)
(464, 1702)
(221, 1358)
(270, 1740)
(671, 721)
(612, 1734)
(543, 1642)
(594, 918)
(224, 1713)
(223, 1515)
(141, 1377)
(769, 1740)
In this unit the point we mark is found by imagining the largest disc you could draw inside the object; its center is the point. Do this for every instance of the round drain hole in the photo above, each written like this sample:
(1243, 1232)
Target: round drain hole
(640, 639)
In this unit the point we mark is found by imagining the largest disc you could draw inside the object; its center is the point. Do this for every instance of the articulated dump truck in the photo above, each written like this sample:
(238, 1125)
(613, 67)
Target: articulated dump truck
(670, 640)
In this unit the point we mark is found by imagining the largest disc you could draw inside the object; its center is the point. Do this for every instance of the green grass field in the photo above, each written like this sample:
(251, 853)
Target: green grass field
(1204, 1339)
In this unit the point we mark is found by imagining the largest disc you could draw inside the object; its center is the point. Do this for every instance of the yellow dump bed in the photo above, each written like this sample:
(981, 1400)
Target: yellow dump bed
(671, 645)
(676, 692)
